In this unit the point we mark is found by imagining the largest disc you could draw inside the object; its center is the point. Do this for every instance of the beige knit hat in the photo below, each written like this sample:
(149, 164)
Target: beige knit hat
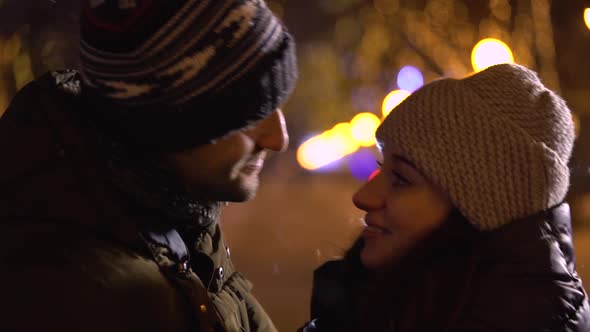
(498, 142)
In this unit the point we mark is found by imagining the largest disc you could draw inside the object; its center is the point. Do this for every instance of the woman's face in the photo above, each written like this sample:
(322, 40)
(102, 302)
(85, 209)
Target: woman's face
(402, 208)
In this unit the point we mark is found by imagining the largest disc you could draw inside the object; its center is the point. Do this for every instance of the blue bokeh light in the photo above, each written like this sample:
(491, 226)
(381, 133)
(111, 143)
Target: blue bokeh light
(362, 164)
(410, 79)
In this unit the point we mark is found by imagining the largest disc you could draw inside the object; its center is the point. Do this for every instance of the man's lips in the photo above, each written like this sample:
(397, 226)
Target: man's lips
(254, 165)
(257, 163)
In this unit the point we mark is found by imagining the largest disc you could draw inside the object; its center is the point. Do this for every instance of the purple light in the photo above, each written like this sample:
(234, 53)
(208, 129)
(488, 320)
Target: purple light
(362, 164)
(410, 79)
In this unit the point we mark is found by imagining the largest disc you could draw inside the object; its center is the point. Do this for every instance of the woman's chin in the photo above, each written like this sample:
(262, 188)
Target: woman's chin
(370, 263)
(380, 253)
(373, 259)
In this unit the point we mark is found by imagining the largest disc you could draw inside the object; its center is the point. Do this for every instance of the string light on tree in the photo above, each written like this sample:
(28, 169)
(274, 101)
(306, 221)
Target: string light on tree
(489, 52)
(587, 17)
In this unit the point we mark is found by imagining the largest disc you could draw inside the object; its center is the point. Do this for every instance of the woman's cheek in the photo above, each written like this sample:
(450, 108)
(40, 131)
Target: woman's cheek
(404, 212)
(416, 210)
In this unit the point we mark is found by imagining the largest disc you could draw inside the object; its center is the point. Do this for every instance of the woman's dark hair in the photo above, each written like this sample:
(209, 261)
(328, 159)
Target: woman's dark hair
(422, 291)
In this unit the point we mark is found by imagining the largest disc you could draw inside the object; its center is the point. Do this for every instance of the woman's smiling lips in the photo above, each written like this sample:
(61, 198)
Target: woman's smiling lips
(373, 230)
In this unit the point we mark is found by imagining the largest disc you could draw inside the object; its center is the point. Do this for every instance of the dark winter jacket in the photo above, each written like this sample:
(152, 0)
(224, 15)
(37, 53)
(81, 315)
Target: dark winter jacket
(518, 278)
(77, 255)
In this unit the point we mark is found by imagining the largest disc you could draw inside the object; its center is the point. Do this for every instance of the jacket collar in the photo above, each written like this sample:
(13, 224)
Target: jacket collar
(532, 240)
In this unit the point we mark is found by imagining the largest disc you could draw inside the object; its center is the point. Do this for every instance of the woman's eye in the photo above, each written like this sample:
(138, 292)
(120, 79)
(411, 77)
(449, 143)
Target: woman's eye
(399, 180)
(396, 178)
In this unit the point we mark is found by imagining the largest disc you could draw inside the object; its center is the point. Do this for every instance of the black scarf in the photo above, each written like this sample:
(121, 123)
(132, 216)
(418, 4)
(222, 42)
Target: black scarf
(153, 186)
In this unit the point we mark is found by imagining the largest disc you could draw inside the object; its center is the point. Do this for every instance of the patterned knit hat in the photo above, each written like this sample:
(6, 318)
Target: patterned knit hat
(170, 75)
(497, 142)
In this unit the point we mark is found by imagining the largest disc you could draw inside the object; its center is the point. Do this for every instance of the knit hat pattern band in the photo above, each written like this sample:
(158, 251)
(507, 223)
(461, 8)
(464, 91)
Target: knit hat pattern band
(169, 75)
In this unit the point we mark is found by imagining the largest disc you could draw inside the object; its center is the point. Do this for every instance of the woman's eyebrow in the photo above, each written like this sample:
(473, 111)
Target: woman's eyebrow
(401, 159)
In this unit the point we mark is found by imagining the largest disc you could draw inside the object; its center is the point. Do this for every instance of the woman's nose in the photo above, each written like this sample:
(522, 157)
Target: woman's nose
(271, 132)
(370, 195)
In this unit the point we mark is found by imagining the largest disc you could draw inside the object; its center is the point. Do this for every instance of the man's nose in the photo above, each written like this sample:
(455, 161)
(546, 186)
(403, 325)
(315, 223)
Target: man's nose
(271, 132)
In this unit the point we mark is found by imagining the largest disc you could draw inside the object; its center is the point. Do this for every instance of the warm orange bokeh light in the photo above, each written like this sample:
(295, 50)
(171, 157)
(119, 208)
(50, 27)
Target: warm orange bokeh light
(489, 52)
(364, 126)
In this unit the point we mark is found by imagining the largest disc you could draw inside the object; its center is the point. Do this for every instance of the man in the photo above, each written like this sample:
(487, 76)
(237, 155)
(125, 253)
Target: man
(112, 178)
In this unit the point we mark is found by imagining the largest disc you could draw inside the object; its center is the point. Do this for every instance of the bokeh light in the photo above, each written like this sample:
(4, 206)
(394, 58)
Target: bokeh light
(489, 52)
(410, 79)
(362, 164)
(342, 140)
(587, 17)
(312, 154)
(392, 100)
(330, 146)
(363, 128)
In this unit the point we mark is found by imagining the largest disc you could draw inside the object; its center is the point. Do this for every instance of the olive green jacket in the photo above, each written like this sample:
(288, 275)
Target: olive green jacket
(77, 255)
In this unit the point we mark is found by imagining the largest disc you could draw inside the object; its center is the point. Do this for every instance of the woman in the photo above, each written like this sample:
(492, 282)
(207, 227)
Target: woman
(466, 225)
